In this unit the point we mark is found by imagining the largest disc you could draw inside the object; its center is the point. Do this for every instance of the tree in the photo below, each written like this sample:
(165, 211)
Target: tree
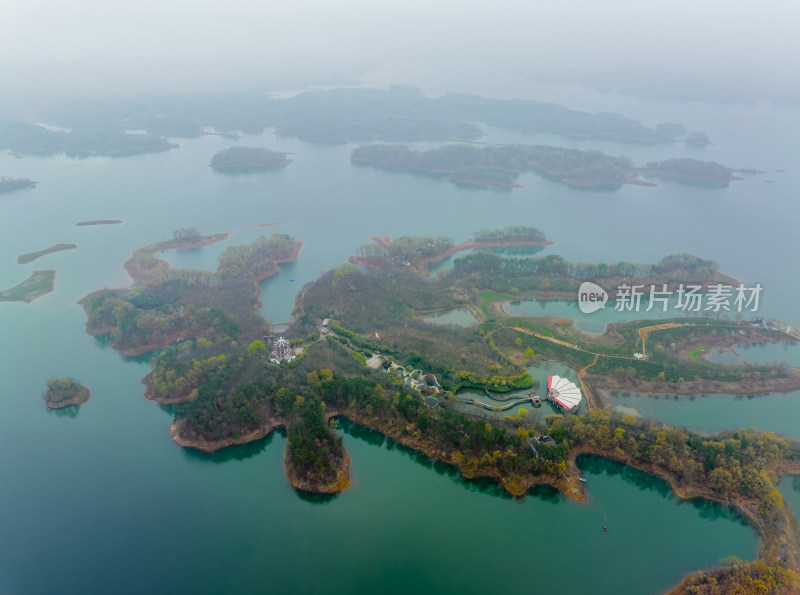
(256, 348)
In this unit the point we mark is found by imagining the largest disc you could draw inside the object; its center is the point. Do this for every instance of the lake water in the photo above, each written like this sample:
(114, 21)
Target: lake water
(103, 501)
(456, 317)
(540, 375)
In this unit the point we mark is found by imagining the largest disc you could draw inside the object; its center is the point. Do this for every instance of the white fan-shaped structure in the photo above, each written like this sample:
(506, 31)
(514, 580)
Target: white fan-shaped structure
(565, 394)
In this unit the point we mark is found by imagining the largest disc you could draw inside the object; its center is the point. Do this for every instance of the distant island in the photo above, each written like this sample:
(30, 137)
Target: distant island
(398, 114)
(38, 284)
(31, 256)
(405, 114)
(248, 159)
(98, 222)
(32, 139)
(63, 392)
(10, 184)
(693, 172)
(499, 165)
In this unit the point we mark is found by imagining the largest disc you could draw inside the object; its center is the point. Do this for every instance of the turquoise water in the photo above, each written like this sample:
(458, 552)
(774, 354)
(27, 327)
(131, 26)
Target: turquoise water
(758, 353)
(724, 356)
(100, 499)
(790, 489)
(776, 412)
(596, 322)
(769, 353)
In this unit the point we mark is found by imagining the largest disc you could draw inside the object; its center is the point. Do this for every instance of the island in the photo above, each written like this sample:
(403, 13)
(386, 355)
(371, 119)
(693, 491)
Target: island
(406, 114)
(248, 159)
(11, 184)
(360, 350)
(36, 285)
(31, 256)
(696, 173)
(98, 222)
(499, 165)
(64, 392)
(397, 114)
(32, 139)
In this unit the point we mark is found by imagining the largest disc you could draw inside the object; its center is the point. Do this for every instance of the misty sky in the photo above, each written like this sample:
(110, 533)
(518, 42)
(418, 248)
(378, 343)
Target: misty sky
(737, 37)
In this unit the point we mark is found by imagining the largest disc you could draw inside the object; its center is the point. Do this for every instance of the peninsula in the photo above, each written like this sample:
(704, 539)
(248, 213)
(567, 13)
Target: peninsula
(64, 392)
(168, 305)
(359, 349)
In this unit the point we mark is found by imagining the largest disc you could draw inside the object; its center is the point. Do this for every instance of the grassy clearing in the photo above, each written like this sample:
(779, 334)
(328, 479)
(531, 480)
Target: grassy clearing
(490, 296)
(697, 351)
(37, 285)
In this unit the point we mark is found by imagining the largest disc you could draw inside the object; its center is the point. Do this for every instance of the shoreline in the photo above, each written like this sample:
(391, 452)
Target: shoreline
(341, 483)
(342, 476)
(210, 447)
(140, 275)
(377, 263)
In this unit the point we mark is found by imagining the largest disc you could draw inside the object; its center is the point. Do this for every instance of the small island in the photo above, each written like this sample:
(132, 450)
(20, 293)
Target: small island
(64, 392)
(245, 159)
(11, 184)
(31, 256)
(500, 165)
(38, 284)
(98, 222)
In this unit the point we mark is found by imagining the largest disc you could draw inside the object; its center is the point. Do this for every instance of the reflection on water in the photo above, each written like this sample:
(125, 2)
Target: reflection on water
(724, 356)
(68, 411)
(707, 509)
(446, 264)
(707, 414)
(787, 352)
(238, 452)
(483, 485)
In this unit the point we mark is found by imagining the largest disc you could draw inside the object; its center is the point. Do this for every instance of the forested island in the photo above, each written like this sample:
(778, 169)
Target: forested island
(65, 392)
(360, 350)
(36, 285)
(11, 184)
(31, 139)
(499, 165)
(31, 256)
(248, 159)
(397, 114)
